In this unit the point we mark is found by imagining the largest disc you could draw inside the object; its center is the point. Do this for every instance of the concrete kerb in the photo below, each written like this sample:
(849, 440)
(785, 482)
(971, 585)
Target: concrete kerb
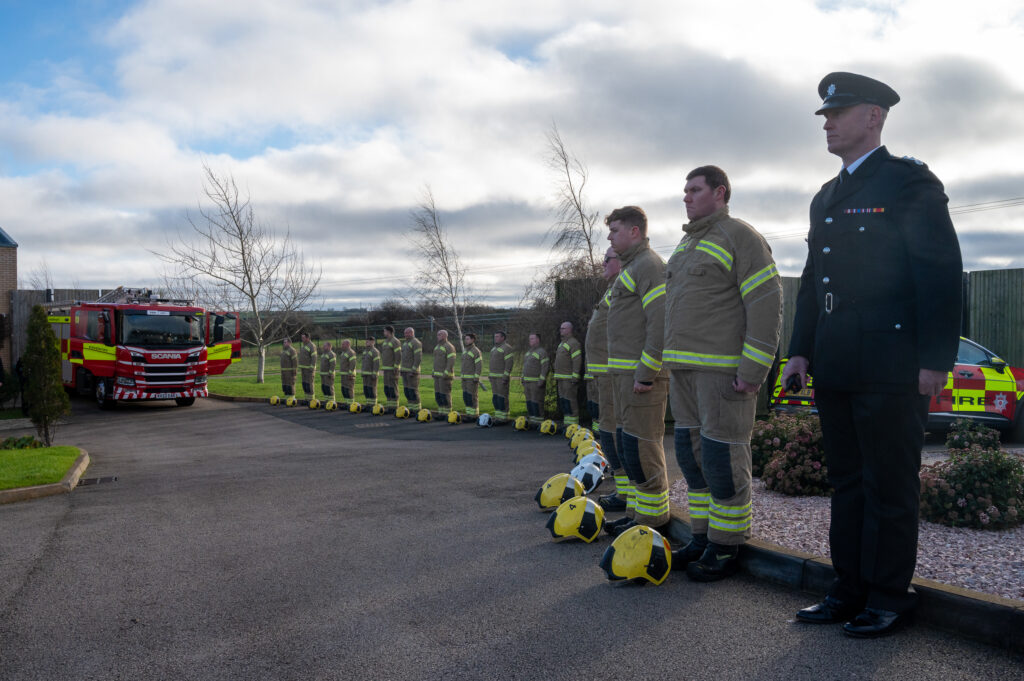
(68, 483)
(989, 619)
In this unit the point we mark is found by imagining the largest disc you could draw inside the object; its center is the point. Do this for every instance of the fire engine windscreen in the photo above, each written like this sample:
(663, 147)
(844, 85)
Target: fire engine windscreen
(160, 328)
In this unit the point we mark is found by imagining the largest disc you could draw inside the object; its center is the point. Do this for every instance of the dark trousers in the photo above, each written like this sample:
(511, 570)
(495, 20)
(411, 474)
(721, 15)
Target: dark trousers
(873, 450)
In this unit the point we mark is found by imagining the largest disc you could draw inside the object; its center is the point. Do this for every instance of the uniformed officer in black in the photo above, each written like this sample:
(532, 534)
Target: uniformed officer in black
(877, 324)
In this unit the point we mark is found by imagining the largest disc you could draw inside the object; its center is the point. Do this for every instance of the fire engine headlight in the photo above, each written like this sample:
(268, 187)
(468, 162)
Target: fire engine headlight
(200, 379)
(138, 359)
(124, 380)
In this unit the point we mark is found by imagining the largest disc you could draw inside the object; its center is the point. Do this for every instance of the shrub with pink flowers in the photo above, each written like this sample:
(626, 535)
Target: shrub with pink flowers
(980, 486)
(788, 456)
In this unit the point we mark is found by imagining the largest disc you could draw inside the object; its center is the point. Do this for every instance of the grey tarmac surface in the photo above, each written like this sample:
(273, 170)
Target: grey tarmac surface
(251, 542)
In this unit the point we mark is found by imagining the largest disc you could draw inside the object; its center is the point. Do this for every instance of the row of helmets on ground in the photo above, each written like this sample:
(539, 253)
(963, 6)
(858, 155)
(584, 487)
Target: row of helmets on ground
(637, 555)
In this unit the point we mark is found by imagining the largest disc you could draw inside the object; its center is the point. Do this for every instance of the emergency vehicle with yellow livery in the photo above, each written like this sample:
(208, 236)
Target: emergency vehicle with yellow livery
(981, 387)
(129, 345)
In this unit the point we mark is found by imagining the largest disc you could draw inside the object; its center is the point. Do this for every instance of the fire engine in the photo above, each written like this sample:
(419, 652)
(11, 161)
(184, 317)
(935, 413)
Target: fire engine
(128, 345)
(981, 387)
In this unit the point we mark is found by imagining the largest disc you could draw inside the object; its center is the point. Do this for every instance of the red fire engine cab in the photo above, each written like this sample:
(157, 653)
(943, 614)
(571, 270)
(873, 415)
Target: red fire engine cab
(128, 345)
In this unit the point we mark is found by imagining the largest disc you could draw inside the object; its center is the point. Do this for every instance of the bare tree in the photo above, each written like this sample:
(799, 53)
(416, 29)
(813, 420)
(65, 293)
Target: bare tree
(573, 232)
(441, 276)
(234, 262)
(40, 277)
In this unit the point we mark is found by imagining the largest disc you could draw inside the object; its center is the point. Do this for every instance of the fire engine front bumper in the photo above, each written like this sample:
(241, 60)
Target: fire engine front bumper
(122, 393)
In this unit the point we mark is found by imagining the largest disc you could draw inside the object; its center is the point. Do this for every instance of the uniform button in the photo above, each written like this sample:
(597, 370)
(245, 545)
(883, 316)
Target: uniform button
(899, 326)
(825, 280)
(861, 228)
(828, 221)
(826, 250)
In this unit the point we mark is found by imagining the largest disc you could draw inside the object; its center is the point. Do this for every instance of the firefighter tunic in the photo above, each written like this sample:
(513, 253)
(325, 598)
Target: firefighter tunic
(390, 361)
(370, 369)
(412, 358)
(307, 365)
(328, 362)
(535, 376)
(636, 332)
(500, 374)
(347, 367)
(568, 371)
(724, 312)
(289, 362)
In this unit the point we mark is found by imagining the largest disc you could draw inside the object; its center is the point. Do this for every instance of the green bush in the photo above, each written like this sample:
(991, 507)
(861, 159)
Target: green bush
(965, 433)
(795, 458)
(25, 442)
(978, 487)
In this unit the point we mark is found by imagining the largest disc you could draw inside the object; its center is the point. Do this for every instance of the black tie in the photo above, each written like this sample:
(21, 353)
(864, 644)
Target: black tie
(844, 175)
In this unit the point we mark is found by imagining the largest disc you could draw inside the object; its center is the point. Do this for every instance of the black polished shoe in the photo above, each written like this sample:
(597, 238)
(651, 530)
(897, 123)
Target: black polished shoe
(686, 555)
(875, 622)
(717, 562)
(617, 527)
(612, 503)
(829, 611)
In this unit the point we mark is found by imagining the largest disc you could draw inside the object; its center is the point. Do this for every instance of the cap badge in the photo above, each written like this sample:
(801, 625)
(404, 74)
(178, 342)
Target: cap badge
(831, 89)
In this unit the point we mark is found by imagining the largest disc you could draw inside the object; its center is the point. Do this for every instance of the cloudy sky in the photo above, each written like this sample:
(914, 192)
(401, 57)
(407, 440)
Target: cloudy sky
(335, 115)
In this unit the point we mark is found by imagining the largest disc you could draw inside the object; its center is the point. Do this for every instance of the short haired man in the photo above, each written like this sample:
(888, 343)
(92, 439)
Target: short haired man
(307, 365)
(328, 362)
(289, 362)
(470, 371)
(348, 365)
(636, 332)
(723, 315)
(534, 378)
(369, 370)
(412, 358)
(499, 371)
(443, 372)
(877, 323)
(568, 368)
(390, 361)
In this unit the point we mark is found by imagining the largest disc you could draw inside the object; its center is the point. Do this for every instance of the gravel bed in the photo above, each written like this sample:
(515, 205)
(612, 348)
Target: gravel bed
(991, 562)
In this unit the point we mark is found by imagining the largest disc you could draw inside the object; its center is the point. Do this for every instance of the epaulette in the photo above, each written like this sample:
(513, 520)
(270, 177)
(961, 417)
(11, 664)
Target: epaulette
(910, 160)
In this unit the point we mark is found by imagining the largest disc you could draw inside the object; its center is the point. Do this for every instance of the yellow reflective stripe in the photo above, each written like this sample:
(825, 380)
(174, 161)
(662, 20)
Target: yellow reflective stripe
(576, 354)
(654, 294)
(98, 351)
(594, 368)
(698, 504)
(753, 354)
(567, 376)
(627, 281)
(729, 518)
(618, 363)
(700, 359)
(59, 320)
(218, 352)
(714, 250)
(650, 362)
(756, 279)
(651, 504)
(607, 300)
(682, 246)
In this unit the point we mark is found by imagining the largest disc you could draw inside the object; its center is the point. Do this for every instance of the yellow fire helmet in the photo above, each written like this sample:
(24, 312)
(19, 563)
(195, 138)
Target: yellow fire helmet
(578, 517)
(402, 412)
(570, 430)
(378, 409)
(314, 403)
(588, 447)
(424, 415)
(453, 418)
(521, 423)
(275, 400)
(548, 427)
(330, 405)
(355, 408)
(582, 435)
(558, 488)
(291, 401)
(638, 553)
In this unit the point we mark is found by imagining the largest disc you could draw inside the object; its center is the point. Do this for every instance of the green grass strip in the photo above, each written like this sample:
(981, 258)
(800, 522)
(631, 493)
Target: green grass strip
(29, 467)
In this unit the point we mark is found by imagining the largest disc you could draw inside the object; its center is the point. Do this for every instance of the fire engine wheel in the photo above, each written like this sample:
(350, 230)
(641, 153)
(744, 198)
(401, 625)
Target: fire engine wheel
(102, 392)
(185, 401)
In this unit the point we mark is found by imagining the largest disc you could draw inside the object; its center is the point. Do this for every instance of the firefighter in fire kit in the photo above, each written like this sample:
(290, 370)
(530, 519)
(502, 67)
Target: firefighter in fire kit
(443, 372)
(328, 362)
(568, 371)
(412, 358)
(724, 312)
(499, 371)
(601, 389)
(472, 367)
(289, 361)
(390, 359)
(636, 333)
(347, 368)
(370, 370)
(307, 365)
(535, 378)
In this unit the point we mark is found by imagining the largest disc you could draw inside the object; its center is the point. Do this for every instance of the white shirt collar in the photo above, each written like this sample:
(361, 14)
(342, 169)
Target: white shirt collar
(856, 164)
